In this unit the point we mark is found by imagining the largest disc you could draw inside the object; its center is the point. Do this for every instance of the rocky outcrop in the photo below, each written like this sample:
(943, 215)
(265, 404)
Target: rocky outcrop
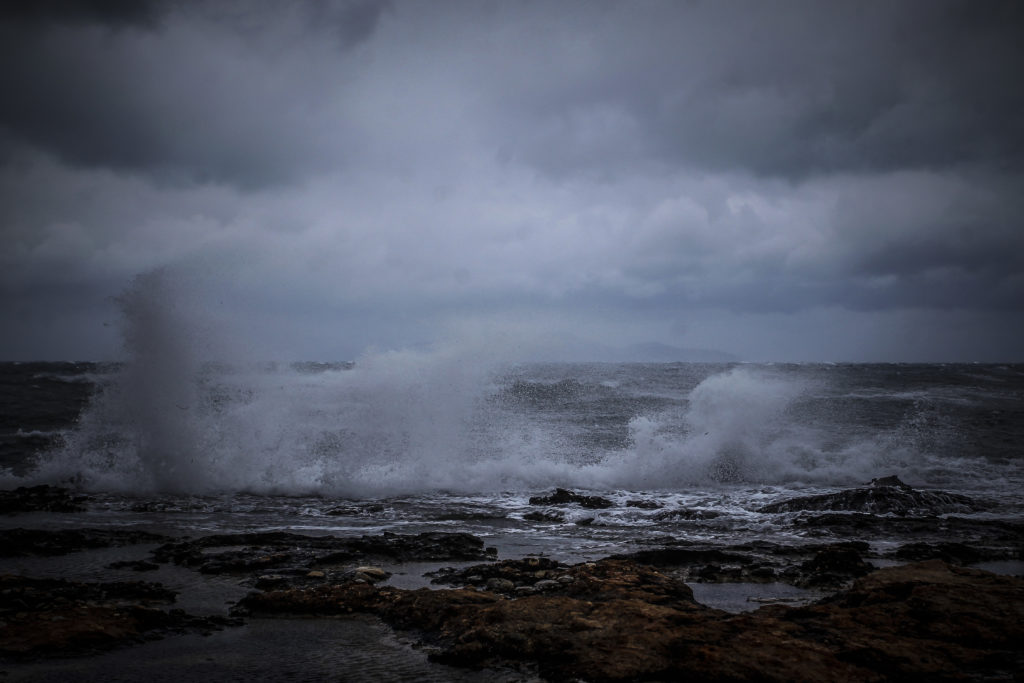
(616, 620)
(47, 617)
(510, 577)
(41, 498)
(20, 542)
(815, 565)
(566, 497)
(888, 495)
(258, 552)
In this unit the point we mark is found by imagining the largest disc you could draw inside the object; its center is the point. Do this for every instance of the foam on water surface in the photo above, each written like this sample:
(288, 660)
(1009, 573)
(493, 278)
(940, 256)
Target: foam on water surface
(190, 414)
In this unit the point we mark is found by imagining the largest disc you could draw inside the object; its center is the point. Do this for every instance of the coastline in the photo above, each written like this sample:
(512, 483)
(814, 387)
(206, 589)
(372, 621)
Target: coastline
(447, 607)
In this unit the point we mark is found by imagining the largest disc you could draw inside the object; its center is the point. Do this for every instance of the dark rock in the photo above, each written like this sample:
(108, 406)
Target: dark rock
(54, 617)
(134, 565)
(355, 510)
(994, 532)
(833, 566)
(513, 574)
(20, 542)
(685, 555)
(620, 621)
(643, 504)
(687, 514)
(891, 480)
(884, 496)
(425, 547)
(812, 565)
(566, 497)
(950, 552)
(538, 516)
(272, 550)
(42, 498)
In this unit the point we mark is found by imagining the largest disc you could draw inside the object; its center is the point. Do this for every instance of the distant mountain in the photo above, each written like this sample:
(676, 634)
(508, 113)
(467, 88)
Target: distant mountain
(647, 352)
(655, 352)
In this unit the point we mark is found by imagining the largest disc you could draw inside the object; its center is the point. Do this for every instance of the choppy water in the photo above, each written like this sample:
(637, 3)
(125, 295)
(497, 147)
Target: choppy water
(433, 441)
(436, 441)
(185, 440)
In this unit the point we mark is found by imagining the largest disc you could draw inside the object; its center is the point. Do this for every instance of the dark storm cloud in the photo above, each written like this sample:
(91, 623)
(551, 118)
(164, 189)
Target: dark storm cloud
(743, 174)
(157, 97)
(790, 89)
(39, 13)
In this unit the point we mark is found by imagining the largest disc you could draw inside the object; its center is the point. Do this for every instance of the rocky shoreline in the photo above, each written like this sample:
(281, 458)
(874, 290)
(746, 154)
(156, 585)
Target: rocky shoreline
(628, 617)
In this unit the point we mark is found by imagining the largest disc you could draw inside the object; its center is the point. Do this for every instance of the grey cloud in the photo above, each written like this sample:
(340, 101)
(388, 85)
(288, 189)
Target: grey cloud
(196, 101)
(787, 89)
(351, 173)
(114, 13)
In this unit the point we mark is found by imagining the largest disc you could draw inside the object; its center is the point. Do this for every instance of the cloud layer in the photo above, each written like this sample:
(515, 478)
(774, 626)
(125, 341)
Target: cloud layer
(795, 180)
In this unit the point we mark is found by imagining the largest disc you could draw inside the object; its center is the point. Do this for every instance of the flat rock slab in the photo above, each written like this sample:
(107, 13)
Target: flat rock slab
(54, 617)
(42, 498)
(22, 542)
(883, 496)
(240, 553)
(817, 565)
(566, 497)
(617, 620)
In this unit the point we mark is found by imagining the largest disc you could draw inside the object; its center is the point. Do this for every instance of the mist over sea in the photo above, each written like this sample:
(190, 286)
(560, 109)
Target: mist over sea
(186, 439)
(185, 416)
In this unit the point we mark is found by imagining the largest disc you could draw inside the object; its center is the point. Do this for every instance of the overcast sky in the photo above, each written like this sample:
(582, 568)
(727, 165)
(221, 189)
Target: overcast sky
(772, 180)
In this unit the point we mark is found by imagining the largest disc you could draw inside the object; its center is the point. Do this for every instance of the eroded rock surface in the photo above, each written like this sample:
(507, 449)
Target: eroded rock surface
(20, 542)
(888, 495)
(239, 553)
(816, 565)
(621, 621)
(47, 617)
(566, 497)
(42, 498)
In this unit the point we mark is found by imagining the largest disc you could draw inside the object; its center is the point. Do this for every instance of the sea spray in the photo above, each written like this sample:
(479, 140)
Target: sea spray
(188, 414)
(181, 418)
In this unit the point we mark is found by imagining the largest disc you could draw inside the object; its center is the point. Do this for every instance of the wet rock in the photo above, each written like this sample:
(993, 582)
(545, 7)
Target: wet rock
(425, 547)
(368, 574)
(621, 621)
(685, 555)
(499, 585)
(538, 516)
(134, 565)
(811, 565)
(356, 510)
(888, 495)
(240, 553)
(267, 581)
(505, 576)
(950, 552)
(41, 498)
(55, 617)
(891, 480)
(21, 542)
(688, 514)
(833, 566)
(994, 532)
(566, 497)
(643, 504)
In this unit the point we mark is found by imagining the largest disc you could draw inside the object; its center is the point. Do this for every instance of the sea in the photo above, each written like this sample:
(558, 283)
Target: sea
(436, 440)
(438, 444)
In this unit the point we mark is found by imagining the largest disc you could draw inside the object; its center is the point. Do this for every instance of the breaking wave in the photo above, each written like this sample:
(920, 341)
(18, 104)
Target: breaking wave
(183, 416)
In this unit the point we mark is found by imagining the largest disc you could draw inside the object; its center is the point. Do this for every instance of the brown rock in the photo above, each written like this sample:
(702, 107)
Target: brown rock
(621, 621)
(55, 617)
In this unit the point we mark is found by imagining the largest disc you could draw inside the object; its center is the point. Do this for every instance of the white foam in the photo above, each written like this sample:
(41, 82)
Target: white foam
(397, 422)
